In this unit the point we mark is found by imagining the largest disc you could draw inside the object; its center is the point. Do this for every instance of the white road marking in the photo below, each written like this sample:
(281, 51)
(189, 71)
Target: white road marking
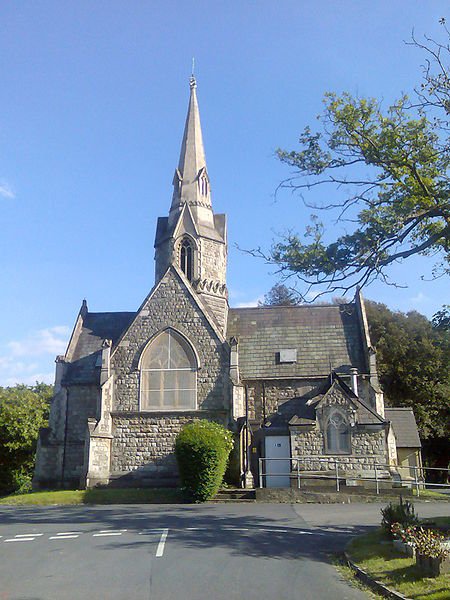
(111, 530)
(150, 531)
(70, 533)
(162, 541)
(22, 539)
(235, 529)
(274, 530)
(62, 537)
(107, 534)
(25, 535)
(196, 528)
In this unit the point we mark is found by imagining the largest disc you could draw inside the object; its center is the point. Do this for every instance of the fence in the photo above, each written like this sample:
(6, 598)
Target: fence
(417, 477)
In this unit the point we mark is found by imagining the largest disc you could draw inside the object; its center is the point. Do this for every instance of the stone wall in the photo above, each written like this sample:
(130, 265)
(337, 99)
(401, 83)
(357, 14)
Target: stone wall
(172, 306)
(367, 447)
(145, 442)
(213, 260)
(276, 393)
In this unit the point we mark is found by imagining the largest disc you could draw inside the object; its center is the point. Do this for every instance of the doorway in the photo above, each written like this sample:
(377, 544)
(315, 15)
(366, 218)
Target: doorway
(277, 472)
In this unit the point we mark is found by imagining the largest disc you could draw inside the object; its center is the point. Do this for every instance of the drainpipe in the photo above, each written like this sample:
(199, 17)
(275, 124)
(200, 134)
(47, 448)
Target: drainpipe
(354, 375)
(264, 402)
(63, 466)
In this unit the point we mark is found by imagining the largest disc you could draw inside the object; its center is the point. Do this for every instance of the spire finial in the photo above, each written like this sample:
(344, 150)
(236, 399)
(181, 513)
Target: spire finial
(192, 82)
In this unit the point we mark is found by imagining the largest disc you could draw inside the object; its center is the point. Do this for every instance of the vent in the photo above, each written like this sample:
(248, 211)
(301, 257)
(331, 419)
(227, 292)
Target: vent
(288, 356)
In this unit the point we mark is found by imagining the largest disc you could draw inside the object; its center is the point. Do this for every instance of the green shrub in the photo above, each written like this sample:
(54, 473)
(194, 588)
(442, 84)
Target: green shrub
(402, 513)
(202, 449)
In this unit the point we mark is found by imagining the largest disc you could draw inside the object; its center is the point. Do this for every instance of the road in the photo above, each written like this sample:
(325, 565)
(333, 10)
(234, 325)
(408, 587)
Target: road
(187, 552)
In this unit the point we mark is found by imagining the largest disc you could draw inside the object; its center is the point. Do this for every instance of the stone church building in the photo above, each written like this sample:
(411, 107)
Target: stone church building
(295, 383)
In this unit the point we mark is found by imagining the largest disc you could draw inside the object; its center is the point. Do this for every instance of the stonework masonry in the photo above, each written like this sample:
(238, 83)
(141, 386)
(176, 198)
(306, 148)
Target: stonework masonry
(172, 306)
(144, 443)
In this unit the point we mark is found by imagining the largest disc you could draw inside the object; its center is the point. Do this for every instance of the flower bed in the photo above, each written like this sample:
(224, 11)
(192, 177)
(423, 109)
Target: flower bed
(431, 549)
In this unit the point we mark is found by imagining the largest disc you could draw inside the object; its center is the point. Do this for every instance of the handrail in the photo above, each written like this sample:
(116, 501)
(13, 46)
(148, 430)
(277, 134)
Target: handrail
(419, 479)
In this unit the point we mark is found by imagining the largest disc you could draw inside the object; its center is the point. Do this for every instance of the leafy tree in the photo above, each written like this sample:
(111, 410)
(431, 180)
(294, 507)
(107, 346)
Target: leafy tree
(390, 169)
(413, 360)
(23, 411)
(280, 295)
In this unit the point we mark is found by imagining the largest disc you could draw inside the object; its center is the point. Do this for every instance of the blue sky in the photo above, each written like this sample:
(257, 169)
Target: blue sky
(93, 101)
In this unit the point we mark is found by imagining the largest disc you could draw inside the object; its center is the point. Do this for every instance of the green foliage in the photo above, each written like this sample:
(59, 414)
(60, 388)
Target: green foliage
(280, 295)
(390, 172)
(202, 449)
(23, 411)
(401, 513)
(413, 360)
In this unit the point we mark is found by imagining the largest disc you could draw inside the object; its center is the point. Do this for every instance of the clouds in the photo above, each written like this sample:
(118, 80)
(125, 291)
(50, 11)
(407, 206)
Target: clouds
(52, 340)
(31, 359)
(6, 190)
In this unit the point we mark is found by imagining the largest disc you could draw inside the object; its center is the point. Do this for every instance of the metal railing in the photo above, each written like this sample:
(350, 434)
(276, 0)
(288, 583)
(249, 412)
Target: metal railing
(416, 479)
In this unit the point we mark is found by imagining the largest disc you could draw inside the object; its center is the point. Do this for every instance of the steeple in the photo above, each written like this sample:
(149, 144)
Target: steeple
(192, 238)
(191, 181)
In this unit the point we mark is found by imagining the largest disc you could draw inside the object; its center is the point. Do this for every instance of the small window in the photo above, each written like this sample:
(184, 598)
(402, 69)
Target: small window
(168, 374)
(187, 258)
(204, 185)
(337, 435)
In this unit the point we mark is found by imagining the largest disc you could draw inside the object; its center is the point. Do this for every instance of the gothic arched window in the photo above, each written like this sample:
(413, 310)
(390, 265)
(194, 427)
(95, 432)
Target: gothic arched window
(168, 374)
(337, 434)
(187, 258)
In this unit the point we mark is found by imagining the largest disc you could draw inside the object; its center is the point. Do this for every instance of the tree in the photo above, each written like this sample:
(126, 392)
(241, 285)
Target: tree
(413, 360)
(23, 411)
(391, 173)
(280, 295)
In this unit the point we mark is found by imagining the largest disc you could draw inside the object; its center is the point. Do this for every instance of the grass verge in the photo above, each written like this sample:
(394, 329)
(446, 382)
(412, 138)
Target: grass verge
(384, 563)
(96, 496)
(432, 495)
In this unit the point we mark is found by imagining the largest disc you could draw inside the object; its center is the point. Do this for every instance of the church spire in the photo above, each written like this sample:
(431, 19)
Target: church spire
(191, 181)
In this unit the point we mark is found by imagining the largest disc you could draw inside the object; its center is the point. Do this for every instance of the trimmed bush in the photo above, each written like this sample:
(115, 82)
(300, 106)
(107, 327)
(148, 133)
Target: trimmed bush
(202, 449)
(402, 513)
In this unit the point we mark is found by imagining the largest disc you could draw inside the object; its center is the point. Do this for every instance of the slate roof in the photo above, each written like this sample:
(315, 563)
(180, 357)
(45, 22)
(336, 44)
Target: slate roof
(302, 410)
(96, 328)
(405, 427)
(322, 336)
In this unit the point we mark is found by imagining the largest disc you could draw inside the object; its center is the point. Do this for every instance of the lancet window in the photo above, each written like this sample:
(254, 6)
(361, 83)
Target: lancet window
(187, 258)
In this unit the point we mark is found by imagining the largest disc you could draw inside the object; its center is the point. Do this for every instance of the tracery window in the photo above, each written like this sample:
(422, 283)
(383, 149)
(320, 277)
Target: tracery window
(187, 258)
(337, 434)
(168, 374)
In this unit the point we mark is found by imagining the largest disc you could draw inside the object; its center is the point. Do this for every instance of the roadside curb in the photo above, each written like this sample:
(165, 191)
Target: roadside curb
(373, 583)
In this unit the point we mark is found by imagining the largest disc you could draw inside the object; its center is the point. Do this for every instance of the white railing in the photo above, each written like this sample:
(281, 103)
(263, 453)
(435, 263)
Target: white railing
(417, 477)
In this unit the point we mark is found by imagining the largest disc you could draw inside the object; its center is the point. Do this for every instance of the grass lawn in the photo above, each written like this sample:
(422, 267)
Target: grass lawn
(387, 565)
(431, 494)
(96, 496)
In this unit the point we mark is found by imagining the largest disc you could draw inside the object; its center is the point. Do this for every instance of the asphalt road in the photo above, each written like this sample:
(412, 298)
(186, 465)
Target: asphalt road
(204, 552)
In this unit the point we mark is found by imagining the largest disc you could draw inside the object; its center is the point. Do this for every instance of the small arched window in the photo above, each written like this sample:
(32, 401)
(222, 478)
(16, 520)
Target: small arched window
(204, 185)
(168, 374)
(187, 258)
(337, 435)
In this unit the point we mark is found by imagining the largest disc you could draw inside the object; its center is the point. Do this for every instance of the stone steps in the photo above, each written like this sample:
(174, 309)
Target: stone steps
(235, 495)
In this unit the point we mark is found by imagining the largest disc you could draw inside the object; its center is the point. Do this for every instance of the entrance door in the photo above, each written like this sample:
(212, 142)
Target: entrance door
(277, 471)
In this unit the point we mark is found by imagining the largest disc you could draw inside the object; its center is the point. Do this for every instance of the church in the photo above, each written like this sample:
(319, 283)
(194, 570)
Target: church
(294, 383)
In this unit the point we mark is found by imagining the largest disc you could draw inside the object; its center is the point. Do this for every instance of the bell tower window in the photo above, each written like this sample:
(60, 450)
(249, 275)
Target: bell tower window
(187, 258)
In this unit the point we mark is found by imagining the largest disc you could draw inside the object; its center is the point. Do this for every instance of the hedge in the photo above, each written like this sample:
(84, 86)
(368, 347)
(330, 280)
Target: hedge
(202, 449)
